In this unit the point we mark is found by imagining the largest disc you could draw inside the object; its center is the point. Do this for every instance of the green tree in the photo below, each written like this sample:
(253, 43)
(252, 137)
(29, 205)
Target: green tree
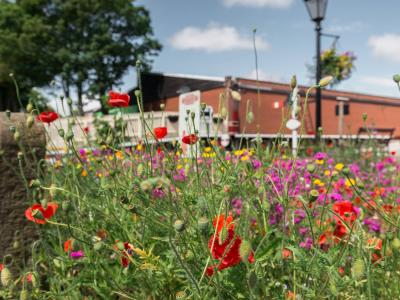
(86, 45)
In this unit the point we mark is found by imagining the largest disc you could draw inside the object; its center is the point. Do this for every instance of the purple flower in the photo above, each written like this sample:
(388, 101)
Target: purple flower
(320, 155)
(77, 254)
(299, 216)
(256, 164)
(307, 244)
(373, 224)
(336, 197)
(237, 205)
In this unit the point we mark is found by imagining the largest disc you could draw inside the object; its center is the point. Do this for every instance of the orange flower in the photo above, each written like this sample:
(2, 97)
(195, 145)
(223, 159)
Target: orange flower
(219, 222)
(286, 253)
(68, 245)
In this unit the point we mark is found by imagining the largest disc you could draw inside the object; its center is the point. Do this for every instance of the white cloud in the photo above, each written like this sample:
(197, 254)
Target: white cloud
(353, 27)
(214, 38)
(264, 76)
(259, 3)
(386, 46)
(378, 81)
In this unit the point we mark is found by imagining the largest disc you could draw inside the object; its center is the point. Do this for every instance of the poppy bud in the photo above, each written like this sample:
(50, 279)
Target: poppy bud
(70, 135)
(396, 78)
(5, 276)
(29, 107)
(69, 101)
(35, 183)
(223, 113)
(364, 116)
(146, 185)
(24, 295)
(30, 121)
(396, 244)
(16, 244)
(244, 250)
(13, 129)
(325, 81)
(192, 115)
(97, 246)
(120, 245)
(358, 268)
(34, 279)
(162, 106)
(203, 106)
(20, 155)
(53, 190)
(236, 96)
(8, 114)
(202, 223)
(311, 168)
(346, 171)
(137, 93)
(61, 132)
(58, 262)
(293, 82)
(250, 117)
(109, 139)
(179, 225)
(17, 136)
(313, 195)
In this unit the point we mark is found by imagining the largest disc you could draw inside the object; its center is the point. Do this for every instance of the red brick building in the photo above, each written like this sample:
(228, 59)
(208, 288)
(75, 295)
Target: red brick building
(269, 102)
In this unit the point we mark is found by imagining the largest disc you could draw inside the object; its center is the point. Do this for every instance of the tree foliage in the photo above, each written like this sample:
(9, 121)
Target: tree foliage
(86, 45)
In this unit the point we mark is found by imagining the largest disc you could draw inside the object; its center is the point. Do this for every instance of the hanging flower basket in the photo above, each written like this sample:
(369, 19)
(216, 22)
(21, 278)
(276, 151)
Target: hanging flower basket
(340, 66)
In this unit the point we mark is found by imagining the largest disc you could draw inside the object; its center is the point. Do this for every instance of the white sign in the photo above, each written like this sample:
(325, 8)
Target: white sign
(189, 103)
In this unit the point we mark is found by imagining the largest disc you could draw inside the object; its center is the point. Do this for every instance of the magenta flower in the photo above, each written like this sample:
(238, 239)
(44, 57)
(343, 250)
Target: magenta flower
(77, 254)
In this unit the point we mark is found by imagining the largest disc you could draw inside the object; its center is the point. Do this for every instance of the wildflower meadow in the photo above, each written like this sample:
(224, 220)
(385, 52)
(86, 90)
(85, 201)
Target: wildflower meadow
(190, 219)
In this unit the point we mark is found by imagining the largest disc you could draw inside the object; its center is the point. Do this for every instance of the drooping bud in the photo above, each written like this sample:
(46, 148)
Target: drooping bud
(5, 277)
(179, 225)
(17, 136)
(30, 121)
(236, 96)
(358, 268)
(69, 136)
(244, 250)
(325, 81)
(29, 108)
(293, 82)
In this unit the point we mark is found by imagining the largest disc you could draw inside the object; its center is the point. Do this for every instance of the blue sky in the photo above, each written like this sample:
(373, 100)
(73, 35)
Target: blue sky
(213, 38)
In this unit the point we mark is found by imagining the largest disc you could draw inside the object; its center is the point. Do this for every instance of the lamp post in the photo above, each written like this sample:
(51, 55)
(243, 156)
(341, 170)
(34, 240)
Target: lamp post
(316, 9)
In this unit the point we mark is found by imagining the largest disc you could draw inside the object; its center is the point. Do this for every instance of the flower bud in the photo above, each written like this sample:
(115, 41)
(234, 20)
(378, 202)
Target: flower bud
(364, 117)
(223, 113)
(203, 106)
(162, 106)
(35, 183)
(17, 136)
(396, 78)
(24, 295)
(30, 121)
(236, 96)
(244, 250)
(8, 114)
(311, 168)
(293, 82)
(69, 136)
(396, 244)
(138, 93)
(179, 225)
(120, 245)
(193, 115)
(250, 117)
(358, 268)
(61, 132)
(325, 81)
(313, 195)
(202, 224)
(69, 101)
(20, 156)
(146, 185)
(29, 107)
(5, 277)
(12, 128)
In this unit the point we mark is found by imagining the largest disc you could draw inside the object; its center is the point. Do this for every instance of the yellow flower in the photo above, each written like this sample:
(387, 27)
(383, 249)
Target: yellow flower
(139, 147)
(339, 167)
(318, 182)
(110, 157)
(119, 155)
(178, 167)
(244, 158)
(238, 152)
(58, 164)
(327, 173)
(319, 161)
(207, 149)
(350, 182)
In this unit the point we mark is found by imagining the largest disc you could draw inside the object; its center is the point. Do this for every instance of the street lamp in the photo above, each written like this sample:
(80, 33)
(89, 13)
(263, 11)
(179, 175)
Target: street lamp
(316, 10)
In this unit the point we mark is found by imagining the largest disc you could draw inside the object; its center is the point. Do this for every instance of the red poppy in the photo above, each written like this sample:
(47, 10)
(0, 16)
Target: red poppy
(228, 252)
(160, 132)
(189, 139)
(37, 209)
(118, 100)
(125, 254)
(346, 211)
(1, 267)
(47, 117)
(68, 245)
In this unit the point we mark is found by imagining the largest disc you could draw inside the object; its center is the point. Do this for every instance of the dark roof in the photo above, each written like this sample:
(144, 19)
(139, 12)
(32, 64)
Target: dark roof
(158, 86)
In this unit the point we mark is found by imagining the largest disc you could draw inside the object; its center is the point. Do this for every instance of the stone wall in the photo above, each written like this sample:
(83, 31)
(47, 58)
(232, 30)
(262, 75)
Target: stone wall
(14, 198)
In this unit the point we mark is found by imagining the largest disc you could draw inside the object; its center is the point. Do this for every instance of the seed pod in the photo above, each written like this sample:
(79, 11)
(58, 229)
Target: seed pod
(293, 82)
(244, 250)
(5, 277)
(223, 113)
(30, 121)
(70, 135)
(69, 101)
(313, 195)
(236, 96)
(250, 117)
(396, 78)
(179, 225)
(358, 268)
(202, 223)
(138, 93)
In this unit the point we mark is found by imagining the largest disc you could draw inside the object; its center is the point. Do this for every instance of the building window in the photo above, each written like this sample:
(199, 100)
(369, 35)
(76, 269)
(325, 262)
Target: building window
(346, 109)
